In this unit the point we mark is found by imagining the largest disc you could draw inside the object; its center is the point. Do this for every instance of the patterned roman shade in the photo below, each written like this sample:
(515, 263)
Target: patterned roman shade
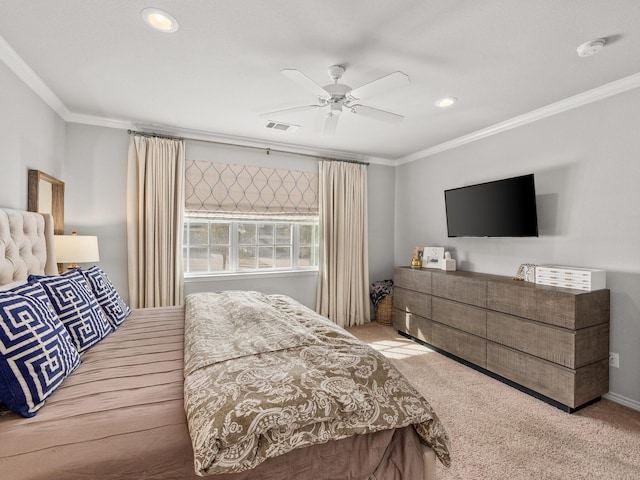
(238, 191)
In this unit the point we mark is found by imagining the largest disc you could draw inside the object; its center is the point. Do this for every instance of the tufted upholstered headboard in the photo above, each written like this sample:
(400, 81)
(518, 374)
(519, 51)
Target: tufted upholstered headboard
(26, 245)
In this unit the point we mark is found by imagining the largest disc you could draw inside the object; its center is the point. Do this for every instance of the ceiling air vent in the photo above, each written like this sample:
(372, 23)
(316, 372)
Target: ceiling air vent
(281, 127)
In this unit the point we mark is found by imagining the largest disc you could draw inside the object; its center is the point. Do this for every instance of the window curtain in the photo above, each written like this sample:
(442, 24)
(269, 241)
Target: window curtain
(155, 210)
(343, 279)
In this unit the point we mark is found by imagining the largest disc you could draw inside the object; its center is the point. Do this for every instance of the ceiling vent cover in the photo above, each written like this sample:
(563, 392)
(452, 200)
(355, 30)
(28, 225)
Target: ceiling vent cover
(281, 127)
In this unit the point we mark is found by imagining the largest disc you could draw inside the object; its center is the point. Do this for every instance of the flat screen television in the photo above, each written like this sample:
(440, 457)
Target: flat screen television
(502, 208)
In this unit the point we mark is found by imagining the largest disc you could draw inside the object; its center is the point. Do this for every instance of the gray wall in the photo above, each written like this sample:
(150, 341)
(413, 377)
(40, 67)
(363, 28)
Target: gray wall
(381, 194)
(95, 171)
(587, 168)
(31, 137)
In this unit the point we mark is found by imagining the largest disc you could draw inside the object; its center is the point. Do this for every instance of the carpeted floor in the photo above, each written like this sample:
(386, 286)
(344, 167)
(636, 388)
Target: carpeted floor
(498, 432)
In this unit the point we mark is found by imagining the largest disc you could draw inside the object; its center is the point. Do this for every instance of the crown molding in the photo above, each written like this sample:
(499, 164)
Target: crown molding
(20, 68)
(590, 96)
(96, 121)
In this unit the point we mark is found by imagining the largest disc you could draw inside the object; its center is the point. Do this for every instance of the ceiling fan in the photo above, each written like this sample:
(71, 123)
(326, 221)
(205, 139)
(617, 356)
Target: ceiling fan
(337, 96)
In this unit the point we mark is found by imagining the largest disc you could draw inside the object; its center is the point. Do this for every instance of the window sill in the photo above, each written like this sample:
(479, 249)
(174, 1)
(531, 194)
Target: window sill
(216, 277)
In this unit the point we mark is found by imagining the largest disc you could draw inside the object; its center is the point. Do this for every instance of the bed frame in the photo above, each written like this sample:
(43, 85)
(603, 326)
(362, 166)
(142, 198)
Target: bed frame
(26, 247)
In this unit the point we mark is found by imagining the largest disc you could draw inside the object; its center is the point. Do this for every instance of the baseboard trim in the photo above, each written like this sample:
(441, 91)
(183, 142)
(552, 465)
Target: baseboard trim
(627, 402)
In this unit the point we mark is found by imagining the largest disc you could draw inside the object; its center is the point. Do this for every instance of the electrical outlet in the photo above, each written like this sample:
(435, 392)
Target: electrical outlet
(614, 360)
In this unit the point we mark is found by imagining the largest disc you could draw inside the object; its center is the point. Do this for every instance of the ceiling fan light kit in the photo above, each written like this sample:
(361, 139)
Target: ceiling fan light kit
(336, 72)
(335, 109)
(338, 95)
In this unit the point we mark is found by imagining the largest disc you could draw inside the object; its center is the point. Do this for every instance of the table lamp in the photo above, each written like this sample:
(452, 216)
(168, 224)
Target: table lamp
(74, 249)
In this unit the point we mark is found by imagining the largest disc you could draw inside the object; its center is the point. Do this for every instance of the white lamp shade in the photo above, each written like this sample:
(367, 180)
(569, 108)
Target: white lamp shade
(76, 248)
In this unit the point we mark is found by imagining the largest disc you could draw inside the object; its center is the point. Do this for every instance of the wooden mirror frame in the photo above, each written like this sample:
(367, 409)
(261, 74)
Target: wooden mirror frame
(38, 180)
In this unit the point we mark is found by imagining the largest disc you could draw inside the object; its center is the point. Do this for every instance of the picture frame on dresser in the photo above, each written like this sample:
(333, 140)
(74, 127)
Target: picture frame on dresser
(433, 257)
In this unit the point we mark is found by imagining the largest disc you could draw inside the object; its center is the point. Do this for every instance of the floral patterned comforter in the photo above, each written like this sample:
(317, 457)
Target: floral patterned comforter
(265, 375)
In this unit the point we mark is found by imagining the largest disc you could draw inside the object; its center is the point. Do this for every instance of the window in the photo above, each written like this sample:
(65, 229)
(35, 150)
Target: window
(242, 218)
(219, 245)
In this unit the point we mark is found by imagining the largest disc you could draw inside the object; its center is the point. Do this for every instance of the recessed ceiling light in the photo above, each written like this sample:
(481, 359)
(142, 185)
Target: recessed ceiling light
(591, 47)
(446, 102)
(159, 20)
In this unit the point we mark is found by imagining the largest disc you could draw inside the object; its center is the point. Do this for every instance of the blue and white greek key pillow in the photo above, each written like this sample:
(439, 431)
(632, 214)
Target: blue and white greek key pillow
(77, 308)
(108, 297)
(33, 289)
(36, 352)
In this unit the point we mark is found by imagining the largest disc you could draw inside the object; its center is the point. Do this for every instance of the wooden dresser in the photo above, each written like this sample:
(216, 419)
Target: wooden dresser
(550, 342)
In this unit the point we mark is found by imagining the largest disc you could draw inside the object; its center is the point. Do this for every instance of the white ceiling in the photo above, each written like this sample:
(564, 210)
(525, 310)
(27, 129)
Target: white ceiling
(99, 63)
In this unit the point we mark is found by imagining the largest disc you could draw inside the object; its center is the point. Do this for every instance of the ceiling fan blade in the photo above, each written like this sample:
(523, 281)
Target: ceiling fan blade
(388, 82)
(330, 124)
(291, 110)
(300, 78)
(376, 113)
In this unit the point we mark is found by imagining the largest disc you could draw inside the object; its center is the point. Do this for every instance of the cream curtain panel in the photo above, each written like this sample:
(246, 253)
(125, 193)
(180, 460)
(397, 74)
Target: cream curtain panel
(343, 279)
(155, 210)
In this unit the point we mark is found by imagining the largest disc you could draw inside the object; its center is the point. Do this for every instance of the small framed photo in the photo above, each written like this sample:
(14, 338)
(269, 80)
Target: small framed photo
(433, 257)
(418, 252)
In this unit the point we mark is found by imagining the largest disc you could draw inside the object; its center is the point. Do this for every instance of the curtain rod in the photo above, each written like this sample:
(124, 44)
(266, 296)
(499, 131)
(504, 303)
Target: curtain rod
(266, 149)
(154, 135)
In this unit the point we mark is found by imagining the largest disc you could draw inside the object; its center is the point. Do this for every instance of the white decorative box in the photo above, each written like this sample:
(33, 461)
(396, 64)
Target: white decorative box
(571, 277)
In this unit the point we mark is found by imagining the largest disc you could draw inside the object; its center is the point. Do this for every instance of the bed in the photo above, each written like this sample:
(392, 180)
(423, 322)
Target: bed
(121, 412)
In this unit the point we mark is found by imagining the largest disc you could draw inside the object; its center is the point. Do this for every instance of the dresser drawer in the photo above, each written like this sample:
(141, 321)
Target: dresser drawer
(569, 348)
(414, 325)
(564, 284)
(464, 345)
(456, 286)
(529, 301)
(458, 315)
(563, 308)
(416, 279)
(569, 387)
(412, 302)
